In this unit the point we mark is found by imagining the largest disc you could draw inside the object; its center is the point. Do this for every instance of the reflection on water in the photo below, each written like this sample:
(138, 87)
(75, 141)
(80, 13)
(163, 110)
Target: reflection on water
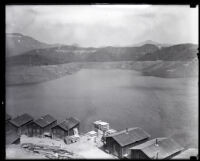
(124, 98)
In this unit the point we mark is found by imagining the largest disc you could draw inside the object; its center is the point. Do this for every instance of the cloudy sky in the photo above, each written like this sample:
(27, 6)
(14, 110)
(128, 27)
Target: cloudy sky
(104, 25)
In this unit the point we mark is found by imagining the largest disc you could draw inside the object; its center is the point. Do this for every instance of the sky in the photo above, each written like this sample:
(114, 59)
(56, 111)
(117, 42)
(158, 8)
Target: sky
(104, 25)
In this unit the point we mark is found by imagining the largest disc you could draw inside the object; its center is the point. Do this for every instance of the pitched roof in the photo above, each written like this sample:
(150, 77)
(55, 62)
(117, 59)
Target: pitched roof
(45, 120)
(133, 135)
(164, 148)
(21, 120)
(68, 123)
(11, 137)
(187, 154)
(8, 117)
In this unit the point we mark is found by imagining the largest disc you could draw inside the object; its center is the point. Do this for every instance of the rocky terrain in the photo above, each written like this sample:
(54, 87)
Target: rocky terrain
(31, 61)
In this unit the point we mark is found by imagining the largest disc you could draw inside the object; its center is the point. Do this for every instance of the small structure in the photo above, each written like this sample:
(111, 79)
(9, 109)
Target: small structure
(159, 148)
(110, 131)
(119, 143)
(7, 119)
(187, 154)
(92, 134)
(100, 125)
(19, 124)
(42, 126)
(71, 139)
(68, 127)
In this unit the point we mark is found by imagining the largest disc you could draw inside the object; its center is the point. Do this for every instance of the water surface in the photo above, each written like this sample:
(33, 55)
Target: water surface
(124, 98)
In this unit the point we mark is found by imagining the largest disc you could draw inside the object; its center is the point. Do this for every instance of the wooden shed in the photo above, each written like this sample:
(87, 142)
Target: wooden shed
(19, 123)
(65, 128)
(41, 126)
(158, 148)
(119, 143)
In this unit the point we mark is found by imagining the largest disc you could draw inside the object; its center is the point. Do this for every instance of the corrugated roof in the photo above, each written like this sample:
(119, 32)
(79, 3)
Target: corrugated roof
(45, 120)
(133, 135)
(8, 117)
(69, 123)
(164, 148)
(21, 120)
(187, 154)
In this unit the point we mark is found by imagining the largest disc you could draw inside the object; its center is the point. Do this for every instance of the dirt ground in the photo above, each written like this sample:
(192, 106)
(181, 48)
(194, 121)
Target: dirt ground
(16, 152)
(86, 148)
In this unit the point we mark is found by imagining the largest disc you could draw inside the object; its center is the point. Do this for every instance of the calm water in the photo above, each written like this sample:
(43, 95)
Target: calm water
(124, 98)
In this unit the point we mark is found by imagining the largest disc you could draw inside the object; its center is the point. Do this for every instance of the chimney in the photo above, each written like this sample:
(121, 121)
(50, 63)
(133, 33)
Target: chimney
(156, 144)
(127, 130)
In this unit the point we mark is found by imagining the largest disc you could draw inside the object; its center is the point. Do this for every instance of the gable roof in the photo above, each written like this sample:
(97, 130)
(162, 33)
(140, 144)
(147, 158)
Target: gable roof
(11, 137)
(21, 120)
(45, 120)
(8, 117)
(187, 154)
(68, 123)
(133, 135)
(165, 147)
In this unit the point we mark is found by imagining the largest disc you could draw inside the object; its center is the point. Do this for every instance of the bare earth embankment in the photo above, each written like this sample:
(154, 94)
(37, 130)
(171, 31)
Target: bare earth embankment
(16, 75)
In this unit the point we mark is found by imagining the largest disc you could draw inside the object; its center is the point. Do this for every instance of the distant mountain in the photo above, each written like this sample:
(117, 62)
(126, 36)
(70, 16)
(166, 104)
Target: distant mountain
(159, 45)
(17, 43)
(66, 54)
(181, 52)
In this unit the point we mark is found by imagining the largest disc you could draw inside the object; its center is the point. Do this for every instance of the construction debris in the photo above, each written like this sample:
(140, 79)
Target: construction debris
(51, 152)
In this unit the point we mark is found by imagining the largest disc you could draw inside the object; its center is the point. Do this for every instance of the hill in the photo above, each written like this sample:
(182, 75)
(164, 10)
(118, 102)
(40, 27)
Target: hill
(17, 43)
(66, 54)
(31, 61)
(181, 52)
(159, 45)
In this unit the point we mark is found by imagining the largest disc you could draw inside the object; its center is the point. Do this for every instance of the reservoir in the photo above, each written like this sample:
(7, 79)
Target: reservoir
(124, 98)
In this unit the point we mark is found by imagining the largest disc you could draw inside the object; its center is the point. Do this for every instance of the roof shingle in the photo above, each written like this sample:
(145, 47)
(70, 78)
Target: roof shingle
(69, 123)
(131, 136)
(21, 120)
(164, 148)
(11, 137)
(45, 120)
(187, 154)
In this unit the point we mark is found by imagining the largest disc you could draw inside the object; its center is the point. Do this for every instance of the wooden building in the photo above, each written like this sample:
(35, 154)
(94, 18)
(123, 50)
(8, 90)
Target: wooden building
(119, 143)
(65, 128)
(19, 123)
(7, 119)
(159, 148)
(41, 126)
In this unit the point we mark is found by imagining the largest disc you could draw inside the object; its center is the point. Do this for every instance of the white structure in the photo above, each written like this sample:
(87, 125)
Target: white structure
(101, 125)
(110, 131)
(92, 133)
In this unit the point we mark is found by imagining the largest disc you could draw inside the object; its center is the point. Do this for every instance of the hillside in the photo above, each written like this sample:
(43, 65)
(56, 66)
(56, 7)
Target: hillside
(31, 61)
(17, 44)
(181, 52)
(66, 54)
(166, 69)
(18, 75)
